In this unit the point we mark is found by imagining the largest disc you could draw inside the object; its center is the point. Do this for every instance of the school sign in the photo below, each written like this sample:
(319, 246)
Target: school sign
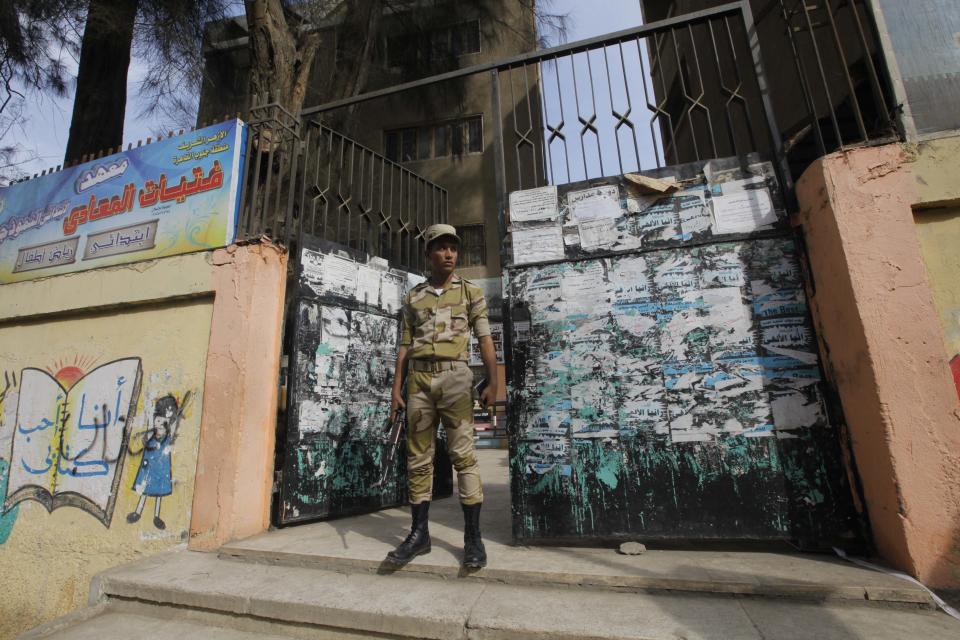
(174, 196)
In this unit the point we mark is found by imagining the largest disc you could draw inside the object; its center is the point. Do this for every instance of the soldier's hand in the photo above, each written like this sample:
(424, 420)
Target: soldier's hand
(396, 403)
(488, 396)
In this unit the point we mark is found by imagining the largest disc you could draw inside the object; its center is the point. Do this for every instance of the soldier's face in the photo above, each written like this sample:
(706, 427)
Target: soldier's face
(443, 256)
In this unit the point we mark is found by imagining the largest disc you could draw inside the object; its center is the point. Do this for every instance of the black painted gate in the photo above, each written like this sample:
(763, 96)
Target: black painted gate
(343, 341)
(665, 380)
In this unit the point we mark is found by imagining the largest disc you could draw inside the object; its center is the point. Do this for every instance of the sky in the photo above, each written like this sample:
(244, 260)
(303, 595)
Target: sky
(48, 118)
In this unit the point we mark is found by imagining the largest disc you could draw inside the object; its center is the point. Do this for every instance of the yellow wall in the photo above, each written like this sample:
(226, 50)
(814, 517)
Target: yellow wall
(939, 232)
(47, 559)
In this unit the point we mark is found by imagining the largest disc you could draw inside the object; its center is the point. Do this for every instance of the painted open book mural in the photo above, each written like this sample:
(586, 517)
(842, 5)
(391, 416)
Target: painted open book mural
(68, 445)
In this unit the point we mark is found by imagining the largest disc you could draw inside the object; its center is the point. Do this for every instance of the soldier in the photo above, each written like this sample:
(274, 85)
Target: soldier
(437, 317)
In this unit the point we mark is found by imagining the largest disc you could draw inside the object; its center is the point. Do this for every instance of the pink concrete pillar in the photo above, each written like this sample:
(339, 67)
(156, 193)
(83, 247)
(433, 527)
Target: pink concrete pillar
(883, 349)
(234, 478)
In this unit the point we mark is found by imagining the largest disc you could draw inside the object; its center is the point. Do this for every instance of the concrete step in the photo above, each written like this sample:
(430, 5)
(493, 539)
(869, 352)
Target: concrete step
(358, 544)
(770, 575)
(187, 588)
(136, 620)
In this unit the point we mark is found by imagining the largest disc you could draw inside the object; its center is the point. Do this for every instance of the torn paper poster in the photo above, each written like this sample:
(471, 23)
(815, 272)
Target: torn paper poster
(412, 280)
(797, 409)
(598, 234)
(743, 211)
(638, 203)
(736, 186)
(646, 184)
(584, 281)
(533, 204)
(594, 203)
(656, 224)
(571, 235)
(368, 285)
(694, 215)
(537, 244)
(391, 292)
(326, 414)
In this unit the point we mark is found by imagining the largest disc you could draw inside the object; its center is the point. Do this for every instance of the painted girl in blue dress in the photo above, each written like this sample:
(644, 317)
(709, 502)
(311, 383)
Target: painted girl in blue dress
(155, 476)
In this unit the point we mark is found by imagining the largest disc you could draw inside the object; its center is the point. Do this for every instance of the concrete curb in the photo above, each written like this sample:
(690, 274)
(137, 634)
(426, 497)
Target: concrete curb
(63, 622)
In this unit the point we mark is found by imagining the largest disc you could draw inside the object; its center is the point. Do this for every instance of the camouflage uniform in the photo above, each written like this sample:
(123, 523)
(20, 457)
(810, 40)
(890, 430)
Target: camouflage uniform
(436, 330)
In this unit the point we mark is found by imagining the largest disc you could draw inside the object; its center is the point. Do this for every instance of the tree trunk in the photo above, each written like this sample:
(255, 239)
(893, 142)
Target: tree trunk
(356, 41)
(275, 57)
(101, 99)
(282, 53)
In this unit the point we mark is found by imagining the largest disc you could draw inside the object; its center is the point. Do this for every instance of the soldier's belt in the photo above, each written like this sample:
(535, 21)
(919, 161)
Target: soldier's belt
(436, 366)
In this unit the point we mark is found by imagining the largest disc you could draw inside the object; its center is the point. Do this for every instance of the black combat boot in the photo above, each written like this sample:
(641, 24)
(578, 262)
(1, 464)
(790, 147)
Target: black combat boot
(474, 555)
(418, 542)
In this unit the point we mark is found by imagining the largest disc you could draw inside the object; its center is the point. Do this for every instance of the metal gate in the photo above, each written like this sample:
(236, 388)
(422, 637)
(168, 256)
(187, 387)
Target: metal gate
(686, 88)
(665, 378)
(343, 343)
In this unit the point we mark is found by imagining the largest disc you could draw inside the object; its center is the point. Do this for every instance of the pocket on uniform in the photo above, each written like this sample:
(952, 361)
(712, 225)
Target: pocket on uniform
(458, 318)
(423, 315)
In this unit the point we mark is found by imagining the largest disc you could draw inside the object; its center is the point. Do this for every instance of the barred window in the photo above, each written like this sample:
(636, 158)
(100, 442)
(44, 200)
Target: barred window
(452, 137)
(473, 252)
(408, 49)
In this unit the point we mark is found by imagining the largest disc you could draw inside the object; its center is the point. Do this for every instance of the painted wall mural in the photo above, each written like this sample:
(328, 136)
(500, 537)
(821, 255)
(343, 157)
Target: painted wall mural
(68, 441)
(667, 384)
(99, 419)
(8, 403)
(155, 475)
(70, 436)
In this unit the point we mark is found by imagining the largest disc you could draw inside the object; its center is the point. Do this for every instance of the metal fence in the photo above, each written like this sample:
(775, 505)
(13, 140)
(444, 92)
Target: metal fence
(592, 108)
(686, 88)
(305, 178)
(678, 90)
(837, 63)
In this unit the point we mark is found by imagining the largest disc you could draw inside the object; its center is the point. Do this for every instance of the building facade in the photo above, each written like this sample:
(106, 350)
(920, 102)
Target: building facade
(443, 132)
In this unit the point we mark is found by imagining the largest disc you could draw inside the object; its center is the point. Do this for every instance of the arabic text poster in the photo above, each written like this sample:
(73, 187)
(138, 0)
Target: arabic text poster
(174, 196)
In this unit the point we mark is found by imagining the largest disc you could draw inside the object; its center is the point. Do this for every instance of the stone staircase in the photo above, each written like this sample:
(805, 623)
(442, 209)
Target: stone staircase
(287, 584)
(327, 580)
(194, 595)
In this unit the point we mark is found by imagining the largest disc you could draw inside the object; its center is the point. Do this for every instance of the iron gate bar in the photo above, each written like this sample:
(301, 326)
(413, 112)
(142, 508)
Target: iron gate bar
(878, 131)
(804, 85)
(871, 68)
(823, 74)
(669, 127)
(843, 60)
(555, 131)
(780, 159)
(623, 118)
(742, 6)
(733, 94)
(587, 124)
(682, 110)
(499, 160)
(655, 107)
(313, 159)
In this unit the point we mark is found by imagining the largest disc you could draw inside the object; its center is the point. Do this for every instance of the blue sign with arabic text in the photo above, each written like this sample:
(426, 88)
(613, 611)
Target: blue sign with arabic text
(174, 196)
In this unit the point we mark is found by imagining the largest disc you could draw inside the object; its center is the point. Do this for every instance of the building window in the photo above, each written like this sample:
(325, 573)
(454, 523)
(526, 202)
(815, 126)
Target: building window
(473, 251)
(435, 140)
(410, 49)
(465, 38)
